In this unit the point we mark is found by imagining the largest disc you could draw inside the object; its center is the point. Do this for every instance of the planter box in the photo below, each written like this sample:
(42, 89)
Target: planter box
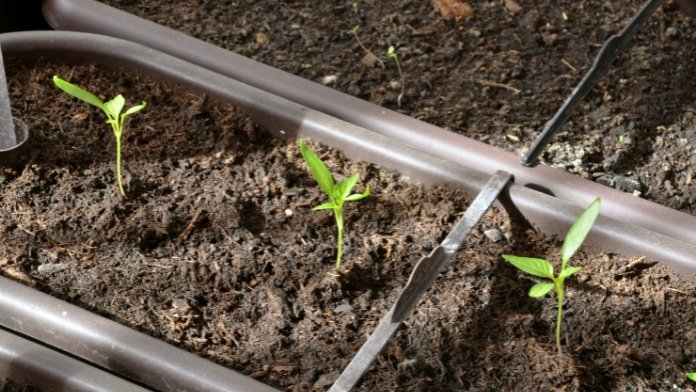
(155, 364)
(39, 367)
(91, 16)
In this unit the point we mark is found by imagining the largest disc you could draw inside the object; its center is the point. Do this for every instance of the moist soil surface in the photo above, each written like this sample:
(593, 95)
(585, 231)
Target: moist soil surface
(12, 386)
(216, 249)
(496, 76)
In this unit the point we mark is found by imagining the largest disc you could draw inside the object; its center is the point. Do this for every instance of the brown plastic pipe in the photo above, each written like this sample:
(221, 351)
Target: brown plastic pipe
(91, 16)
(158, 365)
(30, 363)
(106, 343)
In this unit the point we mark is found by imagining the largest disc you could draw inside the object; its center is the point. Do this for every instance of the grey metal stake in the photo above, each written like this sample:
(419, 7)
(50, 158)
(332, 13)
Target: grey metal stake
(8, 140)
(423, 275)
(610, 50)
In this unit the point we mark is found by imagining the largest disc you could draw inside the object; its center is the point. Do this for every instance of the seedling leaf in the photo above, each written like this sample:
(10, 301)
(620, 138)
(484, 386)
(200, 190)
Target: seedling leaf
(318, 169)
(78, 92)
(532, 266)
(344, 187)
(568, 271)
(579, 230)
(134, 109)
(691, 376)
(325, 206)
(358, 196)
(114, 107)
(540, 289)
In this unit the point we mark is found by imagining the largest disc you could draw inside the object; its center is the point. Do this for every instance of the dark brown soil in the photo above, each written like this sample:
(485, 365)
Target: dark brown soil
(11, 386)
(216, 249)
(497, 76)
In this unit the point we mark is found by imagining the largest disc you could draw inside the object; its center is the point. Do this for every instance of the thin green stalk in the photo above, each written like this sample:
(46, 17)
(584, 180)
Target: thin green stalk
(391, 53)
(339, 224)
(118, 166)
(559, 318)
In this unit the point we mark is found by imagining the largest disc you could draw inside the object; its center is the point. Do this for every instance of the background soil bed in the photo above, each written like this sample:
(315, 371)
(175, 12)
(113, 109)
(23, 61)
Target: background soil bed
(216, 250)
(496, 77)
(12, 386)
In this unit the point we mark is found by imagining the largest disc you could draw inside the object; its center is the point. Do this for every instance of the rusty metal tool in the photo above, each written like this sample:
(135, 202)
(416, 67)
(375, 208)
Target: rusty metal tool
(423, 275)
(610, 50)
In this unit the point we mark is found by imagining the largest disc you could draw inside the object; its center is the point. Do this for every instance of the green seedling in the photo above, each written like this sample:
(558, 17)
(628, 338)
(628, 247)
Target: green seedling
(354, 33)
(355, 7)
(112, 109)
(691, 376)
(544, 269)
(391, 53)
(338, 193)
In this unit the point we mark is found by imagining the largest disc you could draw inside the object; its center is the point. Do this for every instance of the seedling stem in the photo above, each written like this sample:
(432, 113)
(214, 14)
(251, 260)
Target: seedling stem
(391, 53)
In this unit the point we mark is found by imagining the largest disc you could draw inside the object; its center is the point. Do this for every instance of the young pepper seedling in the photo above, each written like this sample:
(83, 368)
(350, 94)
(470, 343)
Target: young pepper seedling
(391, 53)
(544, 269)
(691, 376)
(112, 109)
(338, 193)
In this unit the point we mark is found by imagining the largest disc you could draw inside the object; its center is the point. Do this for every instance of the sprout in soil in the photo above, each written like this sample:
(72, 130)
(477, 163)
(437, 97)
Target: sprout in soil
(112, 109)
(544, 269)
(691, 376)
(391, 53)
(354, 32)
(338, 193)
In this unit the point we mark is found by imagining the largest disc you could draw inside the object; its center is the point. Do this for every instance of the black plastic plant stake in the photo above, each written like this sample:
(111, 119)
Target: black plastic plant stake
(610, 50)
(423, 275)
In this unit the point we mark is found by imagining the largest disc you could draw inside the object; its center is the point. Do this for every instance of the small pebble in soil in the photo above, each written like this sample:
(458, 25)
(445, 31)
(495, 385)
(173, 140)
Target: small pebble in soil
(329, 79)
(51, 268)
(406, 364)
(343, 308)
(180, 304)
(326, 379)
(494, 235)
(626, 184)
